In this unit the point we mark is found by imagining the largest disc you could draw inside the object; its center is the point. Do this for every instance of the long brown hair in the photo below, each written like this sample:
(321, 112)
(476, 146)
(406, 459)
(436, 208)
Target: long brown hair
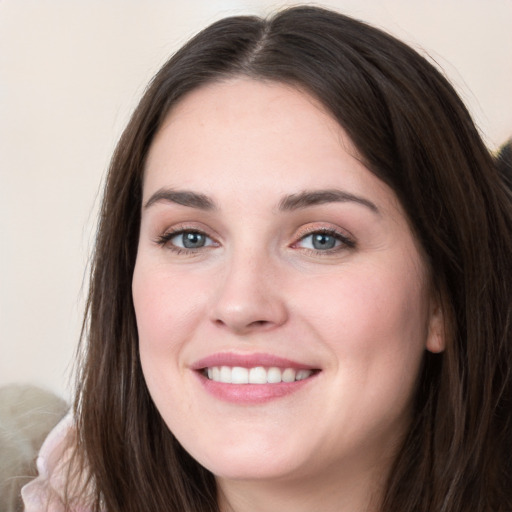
(415, 134)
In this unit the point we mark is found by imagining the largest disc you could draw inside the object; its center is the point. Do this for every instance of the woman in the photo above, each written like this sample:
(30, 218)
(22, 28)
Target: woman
(301, 291)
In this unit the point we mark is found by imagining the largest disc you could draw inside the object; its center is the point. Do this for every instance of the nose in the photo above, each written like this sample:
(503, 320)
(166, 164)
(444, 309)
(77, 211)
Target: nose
(249, 297)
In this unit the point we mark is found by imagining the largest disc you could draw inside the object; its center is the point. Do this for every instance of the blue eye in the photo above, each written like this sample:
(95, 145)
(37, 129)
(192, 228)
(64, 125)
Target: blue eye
(190, 240)
(185, 239)
(319, 242)
(324, 241)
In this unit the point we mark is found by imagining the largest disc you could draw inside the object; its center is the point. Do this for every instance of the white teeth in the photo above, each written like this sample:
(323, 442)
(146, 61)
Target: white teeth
(273, 375)
(288, 375)
(238, 375)
(302, 374)
(256, 375)
(225, 374)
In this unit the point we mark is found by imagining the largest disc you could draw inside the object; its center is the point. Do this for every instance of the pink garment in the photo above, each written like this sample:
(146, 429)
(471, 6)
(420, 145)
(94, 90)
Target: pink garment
(46, 492)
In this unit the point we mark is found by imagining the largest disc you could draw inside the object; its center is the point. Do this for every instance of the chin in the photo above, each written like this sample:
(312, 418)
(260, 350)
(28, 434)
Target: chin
(237, 463)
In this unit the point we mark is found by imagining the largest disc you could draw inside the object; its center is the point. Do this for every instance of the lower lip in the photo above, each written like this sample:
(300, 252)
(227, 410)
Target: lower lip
(251, 393)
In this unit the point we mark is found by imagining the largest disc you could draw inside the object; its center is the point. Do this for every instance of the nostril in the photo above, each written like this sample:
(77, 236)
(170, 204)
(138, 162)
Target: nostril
(260, 322)
(242, 327)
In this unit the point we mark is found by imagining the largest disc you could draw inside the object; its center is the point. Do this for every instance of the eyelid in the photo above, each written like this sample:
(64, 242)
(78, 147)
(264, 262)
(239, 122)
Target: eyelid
(346, 239)
(173, 236)
(164, 239)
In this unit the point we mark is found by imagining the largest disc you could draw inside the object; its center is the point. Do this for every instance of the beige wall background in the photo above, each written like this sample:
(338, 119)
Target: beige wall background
(70, 74)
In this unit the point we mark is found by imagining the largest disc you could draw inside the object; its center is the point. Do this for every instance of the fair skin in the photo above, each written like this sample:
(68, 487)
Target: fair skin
(265, 242)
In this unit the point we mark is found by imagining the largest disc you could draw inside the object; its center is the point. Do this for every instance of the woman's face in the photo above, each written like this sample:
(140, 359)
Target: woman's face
(268, 253)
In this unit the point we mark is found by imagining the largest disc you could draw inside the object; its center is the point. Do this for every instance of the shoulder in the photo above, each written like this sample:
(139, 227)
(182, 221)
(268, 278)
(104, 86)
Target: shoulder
(47, 491)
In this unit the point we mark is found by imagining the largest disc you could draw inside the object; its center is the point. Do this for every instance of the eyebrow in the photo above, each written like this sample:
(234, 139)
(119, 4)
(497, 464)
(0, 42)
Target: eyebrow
(183, 197)
(309, 198)
(290, 202)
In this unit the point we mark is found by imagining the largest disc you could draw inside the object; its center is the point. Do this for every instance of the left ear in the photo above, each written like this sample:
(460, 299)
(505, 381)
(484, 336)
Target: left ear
(436, 336)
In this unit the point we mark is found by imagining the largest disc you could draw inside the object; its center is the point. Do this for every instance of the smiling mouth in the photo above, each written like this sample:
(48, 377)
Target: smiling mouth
(255, 375)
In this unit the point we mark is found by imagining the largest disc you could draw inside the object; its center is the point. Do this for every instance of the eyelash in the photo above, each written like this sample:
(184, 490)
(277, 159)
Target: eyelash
(345, 242)
(165, 239)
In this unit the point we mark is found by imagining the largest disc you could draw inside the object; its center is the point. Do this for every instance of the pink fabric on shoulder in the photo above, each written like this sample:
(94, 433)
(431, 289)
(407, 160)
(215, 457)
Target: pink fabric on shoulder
(46, 492)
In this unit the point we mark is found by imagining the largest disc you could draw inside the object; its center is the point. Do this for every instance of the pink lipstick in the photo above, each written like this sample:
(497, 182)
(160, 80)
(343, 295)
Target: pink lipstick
(251, 378)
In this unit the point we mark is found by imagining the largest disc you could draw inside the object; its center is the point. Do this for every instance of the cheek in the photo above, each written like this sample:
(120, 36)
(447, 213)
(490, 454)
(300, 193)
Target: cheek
(165, 303)
(382, 330)
(370, 314)
(166, 313)
(165, 310)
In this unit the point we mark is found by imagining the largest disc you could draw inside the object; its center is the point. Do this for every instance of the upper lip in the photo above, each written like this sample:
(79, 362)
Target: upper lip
(248, 361)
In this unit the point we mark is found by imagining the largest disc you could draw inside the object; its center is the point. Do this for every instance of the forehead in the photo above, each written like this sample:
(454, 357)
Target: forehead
(252, 130)
(232, 100)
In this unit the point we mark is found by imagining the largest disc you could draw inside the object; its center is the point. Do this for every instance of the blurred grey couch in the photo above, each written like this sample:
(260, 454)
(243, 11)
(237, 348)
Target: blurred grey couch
(27, 414)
